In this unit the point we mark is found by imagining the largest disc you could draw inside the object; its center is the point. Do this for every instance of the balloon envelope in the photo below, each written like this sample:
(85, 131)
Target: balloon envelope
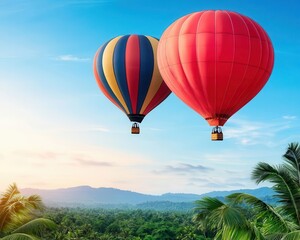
(215, 62)
(126, 71)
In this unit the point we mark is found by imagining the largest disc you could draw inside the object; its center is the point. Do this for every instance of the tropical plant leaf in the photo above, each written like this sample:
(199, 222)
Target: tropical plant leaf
(11, 191)
(204, 208)
(6, 213)
(36, 226)
(20, 236)
(275, 236)
(208, 204)
(35, 202)
(284, 185)
(273, 220)
(18, 209)
(228, 221)
(228, 216)
(292, 236)
(234, 220)
(237, 233)
(257, 232)
(292, 158)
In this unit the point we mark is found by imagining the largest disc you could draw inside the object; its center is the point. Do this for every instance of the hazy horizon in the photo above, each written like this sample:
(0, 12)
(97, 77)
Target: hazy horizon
(141, 192)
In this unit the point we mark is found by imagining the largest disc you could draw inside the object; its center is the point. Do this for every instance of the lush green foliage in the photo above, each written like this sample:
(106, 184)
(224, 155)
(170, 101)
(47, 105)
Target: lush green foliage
(245, 217)
(240, 216)
(100, 224)
(19, 216)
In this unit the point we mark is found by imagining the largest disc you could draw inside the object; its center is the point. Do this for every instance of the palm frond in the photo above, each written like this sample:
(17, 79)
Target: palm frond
(257, 232)
(16, 221)
(228, 216)
(11, 191)
(285, 187)
(20, 236)
(292, 158)
(292, 236)
(203, 211)
(35, 202)
(14, 213)
(36, 226)
(264, 211)
(208, 204)
(218, 235)
(292, 171)
(275, 236)
(237, 233)
(228, 221)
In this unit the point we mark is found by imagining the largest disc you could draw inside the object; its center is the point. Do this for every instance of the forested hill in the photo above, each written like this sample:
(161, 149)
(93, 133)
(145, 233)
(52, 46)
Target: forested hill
(88, 196)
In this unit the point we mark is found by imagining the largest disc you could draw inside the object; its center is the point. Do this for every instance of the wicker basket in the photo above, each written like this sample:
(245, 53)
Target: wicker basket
(217, 136)
(135, 129)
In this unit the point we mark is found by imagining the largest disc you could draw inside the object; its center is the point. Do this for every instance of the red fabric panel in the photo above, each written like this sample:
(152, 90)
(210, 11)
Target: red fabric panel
(132, 61)
(224, 59)
(206, 84)
(176, 69)
(223, 23)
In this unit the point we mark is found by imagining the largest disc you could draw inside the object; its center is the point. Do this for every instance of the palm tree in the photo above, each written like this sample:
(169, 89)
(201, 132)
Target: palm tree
(18, 216)
(243, 216)
(227, 221)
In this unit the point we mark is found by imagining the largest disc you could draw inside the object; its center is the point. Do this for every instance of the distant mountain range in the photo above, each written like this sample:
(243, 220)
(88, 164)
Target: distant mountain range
(88, 196)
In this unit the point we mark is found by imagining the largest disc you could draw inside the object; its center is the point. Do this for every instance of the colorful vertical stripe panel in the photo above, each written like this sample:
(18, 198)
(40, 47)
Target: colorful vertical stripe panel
(126, 71)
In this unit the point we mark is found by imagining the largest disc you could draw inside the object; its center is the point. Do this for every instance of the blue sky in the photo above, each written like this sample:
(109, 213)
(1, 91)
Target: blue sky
(58, 130)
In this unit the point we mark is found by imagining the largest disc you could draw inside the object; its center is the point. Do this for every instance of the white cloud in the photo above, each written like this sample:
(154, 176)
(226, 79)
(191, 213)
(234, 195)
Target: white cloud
(80, 129)
(252, 133)
(156, 129)
(71, 58)
(98, 129)
(184, 168)
(289, 117)
(87, 161)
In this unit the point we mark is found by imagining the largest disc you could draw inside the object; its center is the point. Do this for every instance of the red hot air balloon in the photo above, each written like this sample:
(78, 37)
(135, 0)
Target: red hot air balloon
(126, 71)
(215, 62)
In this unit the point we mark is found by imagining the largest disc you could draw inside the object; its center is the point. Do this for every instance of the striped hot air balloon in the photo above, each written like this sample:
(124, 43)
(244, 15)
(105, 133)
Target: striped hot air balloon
(126, 71)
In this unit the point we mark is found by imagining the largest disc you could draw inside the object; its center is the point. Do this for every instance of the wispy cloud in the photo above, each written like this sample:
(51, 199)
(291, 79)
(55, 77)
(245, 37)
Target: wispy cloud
(98, 129)
(42, 158)
(184, 168)
(84, 129)
(224, 185)
(199, 180)
(216, 183)
(42, 155)
(156, 129)
(289, 117)
(71, 58)
(89, 162)
(252, 133)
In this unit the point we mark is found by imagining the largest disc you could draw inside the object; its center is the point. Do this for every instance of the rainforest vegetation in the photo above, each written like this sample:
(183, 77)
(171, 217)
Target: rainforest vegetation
(239, 216)
(103, 224)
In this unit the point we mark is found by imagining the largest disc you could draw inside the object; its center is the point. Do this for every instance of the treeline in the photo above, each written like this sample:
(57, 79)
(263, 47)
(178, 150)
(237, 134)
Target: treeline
(157, 205)
(104, 224)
